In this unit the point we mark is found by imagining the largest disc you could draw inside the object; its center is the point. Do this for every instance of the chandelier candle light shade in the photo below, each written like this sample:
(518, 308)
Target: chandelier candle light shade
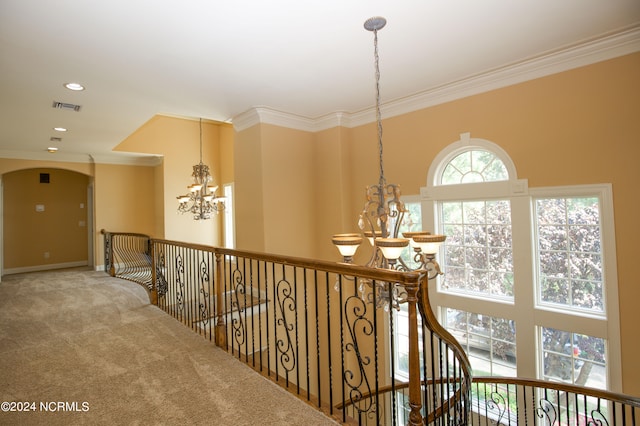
(201, 200)
(383, 213)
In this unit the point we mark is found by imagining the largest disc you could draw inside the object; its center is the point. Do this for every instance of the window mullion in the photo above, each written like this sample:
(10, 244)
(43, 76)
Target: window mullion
(524, 288)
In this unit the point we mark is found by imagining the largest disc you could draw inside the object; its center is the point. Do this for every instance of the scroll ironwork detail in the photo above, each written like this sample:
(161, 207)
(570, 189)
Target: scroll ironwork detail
(161, 280)
(180, 282)
(237, 322)
(497, 404)
(547, 412)
(284, 344)
(204, 286)
(355, 310)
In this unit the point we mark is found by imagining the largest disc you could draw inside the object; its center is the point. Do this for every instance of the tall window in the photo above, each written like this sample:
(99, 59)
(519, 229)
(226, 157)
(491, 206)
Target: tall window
(569, 268)
(530, 285)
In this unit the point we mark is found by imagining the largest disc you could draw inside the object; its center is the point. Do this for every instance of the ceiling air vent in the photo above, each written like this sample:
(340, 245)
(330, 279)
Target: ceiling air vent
(66, 106)
(54, 139)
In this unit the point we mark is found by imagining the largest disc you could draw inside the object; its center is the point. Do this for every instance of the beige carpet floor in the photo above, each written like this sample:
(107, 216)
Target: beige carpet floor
(91, 350)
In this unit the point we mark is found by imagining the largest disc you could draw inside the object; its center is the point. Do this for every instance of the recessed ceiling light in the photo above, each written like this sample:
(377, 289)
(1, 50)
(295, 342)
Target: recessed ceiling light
(52, 149)
(59, 129)
(74, 86)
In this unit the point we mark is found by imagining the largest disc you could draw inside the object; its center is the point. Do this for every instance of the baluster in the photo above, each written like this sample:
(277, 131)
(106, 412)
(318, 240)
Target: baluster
(154, 284)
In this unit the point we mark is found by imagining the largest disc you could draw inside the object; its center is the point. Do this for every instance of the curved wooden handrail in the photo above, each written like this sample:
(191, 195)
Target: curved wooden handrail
(431, 322)
(563, 387)
(462, 392)
(456, 400)
(516, 381)
(438, 412)
(126, 234)
(398, 386)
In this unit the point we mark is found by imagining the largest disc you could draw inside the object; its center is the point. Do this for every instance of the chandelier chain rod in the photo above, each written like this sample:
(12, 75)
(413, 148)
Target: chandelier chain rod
(382, 220)
(378, 113)
(201, 140)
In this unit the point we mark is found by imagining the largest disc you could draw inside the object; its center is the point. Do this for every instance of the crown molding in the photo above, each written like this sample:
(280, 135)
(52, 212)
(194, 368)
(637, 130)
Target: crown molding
(121, 159)
(598, 50)
(268, 115)
(621, 43)
(130, 159)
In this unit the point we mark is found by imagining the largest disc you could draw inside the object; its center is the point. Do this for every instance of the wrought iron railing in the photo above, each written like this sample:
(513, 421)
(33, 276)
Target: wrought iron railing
(518, 401)
(313, 327)
(128, 256)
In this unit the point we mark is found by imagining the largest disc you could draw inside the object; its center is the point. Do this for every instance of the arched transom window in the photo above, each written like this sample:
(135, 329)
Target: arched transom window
(474, 165)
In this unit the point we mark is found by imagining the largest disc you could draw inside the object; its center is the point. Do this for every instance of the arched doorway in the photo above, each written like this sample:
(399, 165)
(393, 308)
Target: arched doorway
(47, 220)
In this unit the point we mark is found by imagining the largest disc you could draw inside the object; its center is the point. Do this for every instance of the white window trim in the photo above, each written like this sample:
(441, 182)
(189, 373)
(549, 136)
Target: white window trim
(521, 198)
(524, 309)
(228, 216)
(608, 325)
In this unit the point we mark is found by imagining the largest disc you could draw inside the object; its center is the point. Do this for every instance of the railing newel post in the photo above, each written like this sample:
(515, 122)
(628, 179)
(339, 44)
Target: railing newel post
(221, 326)
(415, 392)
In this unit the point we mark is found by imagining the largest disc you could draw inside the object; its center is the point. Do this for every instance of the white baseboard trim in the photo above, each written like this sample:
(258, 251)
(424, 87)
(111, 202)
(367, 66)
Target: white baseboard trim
(48, 267)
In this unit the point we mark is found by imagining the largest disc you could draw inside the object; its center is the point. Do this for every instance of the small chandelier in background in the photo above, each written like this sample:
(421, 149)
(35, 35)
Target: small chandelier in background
(382, 217)
(201, 200)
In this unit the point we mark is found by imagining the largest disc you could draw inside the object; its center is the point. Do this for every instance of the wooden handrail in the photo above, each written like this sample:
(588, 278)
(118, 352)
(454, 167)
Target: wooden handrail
(559, 386)
(438, 412)
(320, 265)
(429, 319)
(128, 234)
(453, 401)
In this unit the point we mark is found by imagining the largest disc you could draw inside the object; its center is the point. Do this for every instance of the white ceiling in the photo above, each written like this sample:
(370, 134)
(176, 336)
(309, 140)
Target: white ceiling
(219, 59)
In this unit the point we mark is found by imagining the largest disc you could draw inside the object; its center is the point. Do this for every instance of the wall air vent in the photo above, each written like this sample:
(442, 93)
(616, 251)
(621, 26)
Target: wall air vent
(66, 106)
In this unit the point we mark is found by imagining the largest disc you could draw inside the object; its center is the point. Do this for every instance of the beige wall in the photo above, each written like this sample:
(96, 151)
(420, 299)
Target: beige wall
(177, 140)
(287, 181)
(125, 198)
(249, 199)
(224, 156)
(294, 189)
(124, 202)
(158, 206)
(334, 200)
(8, 166)
(57, 235)
(118, 203)
(575, 127)
(274, 185)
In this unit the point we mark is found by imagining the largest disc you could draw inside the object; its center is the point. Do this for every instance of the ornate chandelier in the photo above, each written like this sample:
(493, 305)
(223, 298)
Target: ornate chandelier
(201, 200)
(382, 217)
